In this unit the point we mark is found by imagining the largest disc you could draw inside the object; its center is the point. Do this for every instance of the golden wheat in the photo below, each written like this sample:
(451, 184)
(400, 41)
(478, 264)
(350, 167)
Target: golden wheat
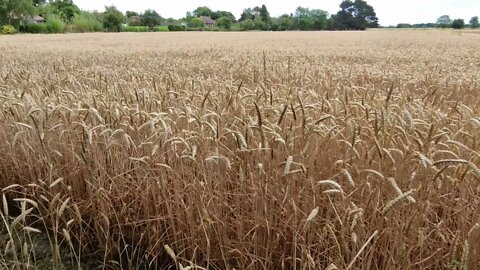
(120, 149)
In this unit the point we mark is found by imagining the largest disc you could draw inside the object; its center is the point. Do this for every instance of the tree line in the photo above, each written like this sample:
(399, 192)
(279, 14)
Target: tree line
(444, 21)
(65, 16)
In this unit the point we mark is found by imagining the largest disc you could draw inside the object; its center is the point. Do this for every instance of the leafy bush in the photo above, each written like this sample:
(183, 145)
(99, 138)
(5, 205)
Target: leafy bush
(55, 25)
(86, 22)
(224, 22)
(135, 29)
(196, 23)
(247, 25)
(176, 28)
(34, 28)
(8, 30)
(160, 29)
(194, 29)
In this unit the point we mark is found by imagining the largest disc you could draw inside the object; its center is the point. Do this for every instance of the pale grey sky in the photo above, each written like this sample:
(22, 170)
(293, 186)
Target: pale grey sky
(389, 12)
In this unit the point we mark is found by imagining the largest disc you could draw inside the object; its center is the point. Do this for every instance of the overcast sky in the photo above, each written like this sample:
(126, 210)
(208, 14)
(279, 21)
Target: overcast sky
(389, 12)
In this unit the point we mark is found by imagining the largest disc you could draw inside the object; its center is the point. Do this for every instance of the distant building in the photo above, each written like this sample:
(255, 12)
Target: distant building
(36, 19)
(208, 21)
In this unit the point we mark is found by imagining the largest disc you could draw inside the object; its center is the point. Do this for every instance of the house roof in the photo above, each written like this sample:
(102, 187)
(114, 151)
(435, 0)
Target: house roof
(207, 20)
(39, 19)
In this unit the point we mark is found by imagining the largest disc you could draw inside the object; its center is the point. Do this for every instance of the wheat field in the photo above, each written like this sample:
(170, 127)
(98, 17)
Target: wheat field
(301, 150)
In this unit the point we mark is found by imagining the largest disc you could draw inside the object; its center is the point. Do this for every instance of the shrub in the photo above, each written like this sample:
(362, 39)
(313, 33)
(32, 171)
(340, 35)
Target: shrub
(55, 25)
(34, 28)
(135, 28)
(86, 22)
(194, 29)
(224, 22)
(247, 25)
(8, 30)
(176, 28)
(196, 23)
(160, 29)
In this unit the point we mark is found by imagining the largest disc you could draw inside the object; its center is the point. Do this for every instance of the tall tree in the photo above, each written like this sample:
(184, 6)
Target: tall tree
(458, 24)
(310, 19)
(357, 15)
(202, 11)
(444, 21)
(65, 9)
(286, 22)
(247, 14)
(264, 14)
(150, 18)
(474, 22)
(220, 13)
(113, 19)
(130, 14)
(15, 11)
(363, 14)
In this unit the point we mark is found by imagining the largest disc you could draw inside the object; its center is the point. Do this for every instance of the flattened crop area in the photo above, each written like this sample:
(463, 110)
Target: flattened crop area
(299, 150)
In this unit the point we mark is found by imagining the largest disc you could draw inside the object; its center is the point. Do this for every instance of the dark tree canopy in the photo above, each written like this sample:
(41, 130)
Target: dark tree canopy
(458, 24)
(474, 22)
(130, 14)
(150, 18)
(202, 11)
(264, 14)
(356, 15)
(256, 13)
(247, 14)
(220, 13)
(113, 19)
(65, 9)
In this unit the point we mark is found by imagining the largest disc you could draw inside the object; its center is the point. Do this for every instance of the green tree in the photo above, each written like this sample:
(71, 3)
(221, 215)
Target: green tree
(444, 21)
(286, 22)
(130, 14)
(113, 19)
(134, 21)
(65, 9)
(458, 24)
(260, 24)
(247, 14)
(247, 25)
(224, 22)
(196, 23)
(357, 15)
(150, 18)
(220, 13)
(202, 11)
(474, 22)
(14, 11)
(264, 14)
(310, 19)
